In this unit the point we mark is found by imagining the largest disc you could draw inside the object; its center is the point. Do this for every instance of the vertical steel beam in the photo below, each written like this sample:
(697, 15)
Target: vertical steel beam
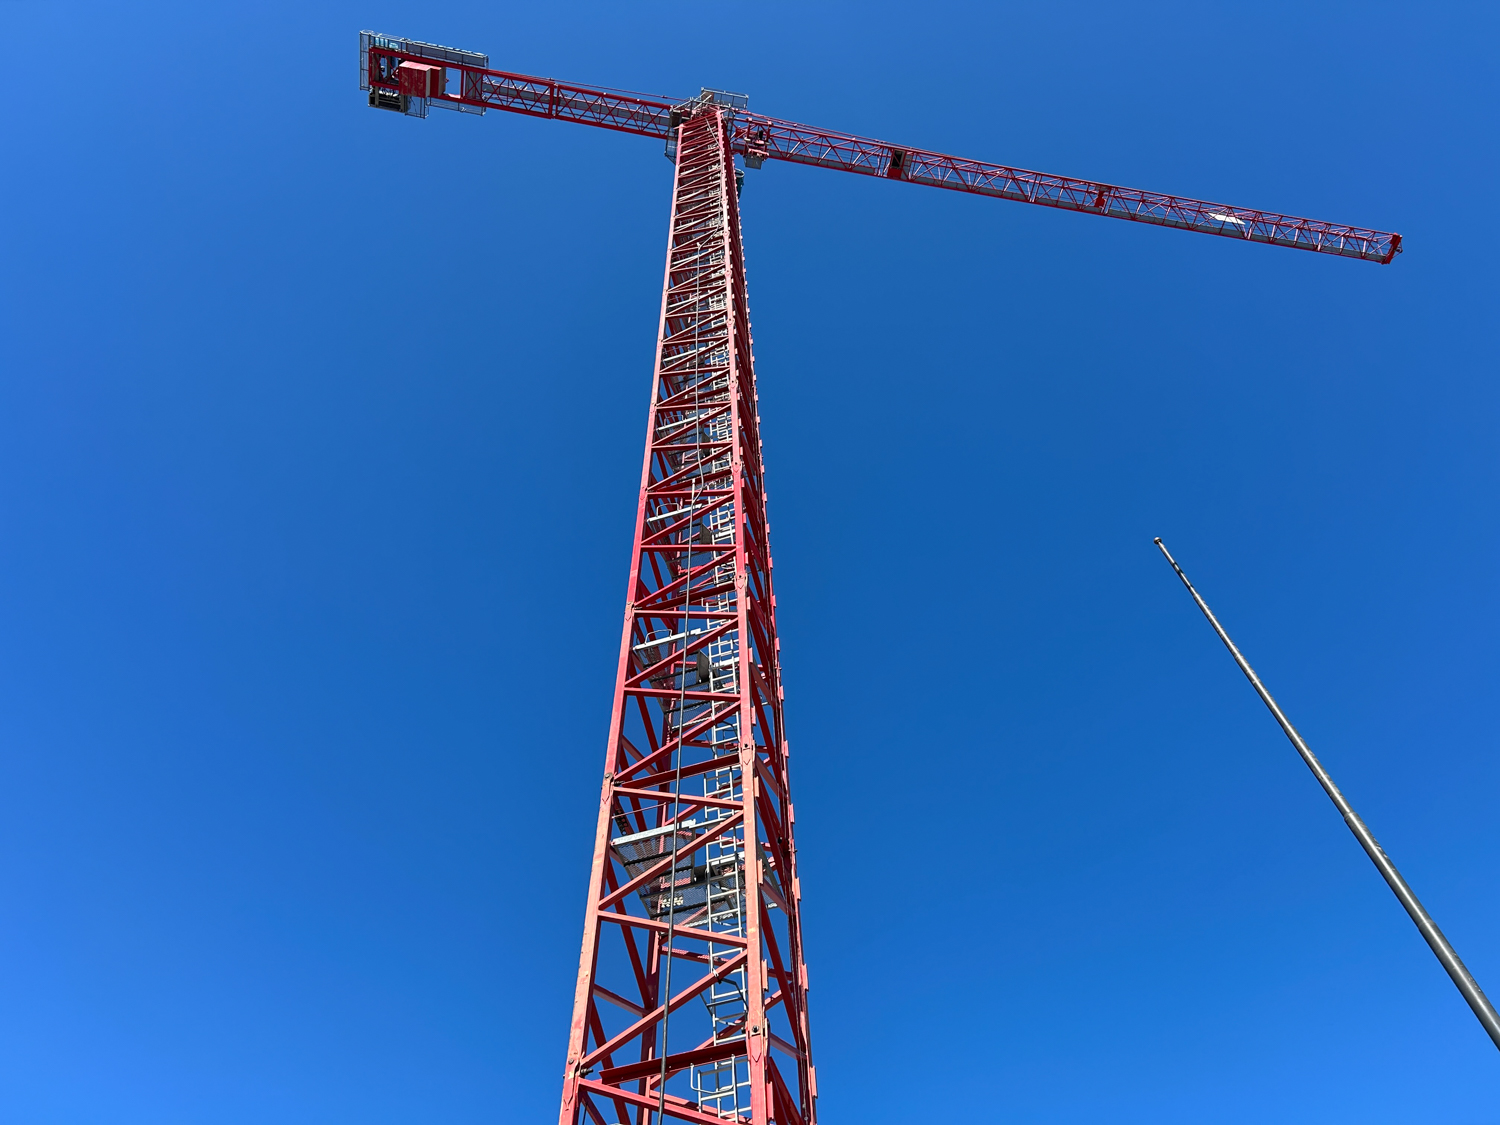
(691, 964)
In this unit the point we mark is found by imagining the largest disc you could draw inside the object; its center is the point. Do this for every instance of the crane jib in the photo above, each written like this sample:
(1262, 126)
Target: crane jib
(407, 76)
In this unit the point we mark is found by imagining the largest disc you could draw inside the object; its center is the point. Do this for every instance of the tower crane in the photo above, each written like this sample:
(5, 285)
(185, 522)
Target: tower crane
(691, 1002)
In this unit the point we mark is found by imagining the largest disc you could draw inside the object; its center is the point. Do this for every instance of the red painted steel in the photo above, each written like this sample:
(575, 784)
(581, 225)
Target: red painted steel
(691, 979)
(417, 80)
(758, 138)
(696, 761)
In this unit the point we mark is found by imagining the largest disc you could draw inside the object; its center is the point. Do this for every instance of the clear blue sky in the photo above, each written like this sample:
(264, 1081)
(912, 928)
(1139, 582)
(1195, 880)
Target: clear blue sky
(319, 441)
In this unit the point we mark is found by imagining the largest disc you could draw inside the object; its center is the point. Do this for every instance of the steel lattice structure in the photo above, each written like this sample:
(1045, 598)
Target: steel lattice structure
(695, 824)
(691, 999)
(757, 139)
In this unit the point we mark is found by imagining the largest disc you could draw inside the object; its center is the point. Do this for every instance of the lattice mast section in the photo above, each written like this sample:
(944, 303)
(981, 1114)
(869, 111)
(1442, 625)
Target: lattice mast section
(692, 964)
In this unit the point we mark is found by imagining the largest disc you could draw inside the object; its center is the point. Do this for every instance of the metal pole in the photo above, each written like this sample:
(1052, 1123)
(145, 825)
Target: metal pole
(1483, 1009)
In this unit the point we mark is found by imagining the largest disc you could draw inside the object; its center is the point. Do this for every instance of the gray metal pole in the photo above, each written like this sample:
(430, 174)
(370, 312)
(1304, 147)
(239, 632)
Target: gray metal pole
(1483, 1009)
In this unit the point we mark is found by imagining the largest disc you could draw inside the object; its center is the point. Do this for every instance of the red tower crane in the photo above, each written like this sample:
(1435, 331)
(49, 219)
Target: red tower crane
(691, 1000)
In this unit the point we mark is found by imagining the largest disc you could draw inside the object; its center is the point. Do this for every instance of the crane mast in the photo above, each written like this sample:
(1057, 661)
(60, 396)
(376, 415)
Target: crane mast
(694, 877)
(692, 991)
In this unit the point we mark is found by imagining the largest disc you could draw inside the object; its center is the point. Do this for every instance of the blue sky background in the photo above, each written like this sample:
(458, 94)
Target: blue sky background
(319, 440)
